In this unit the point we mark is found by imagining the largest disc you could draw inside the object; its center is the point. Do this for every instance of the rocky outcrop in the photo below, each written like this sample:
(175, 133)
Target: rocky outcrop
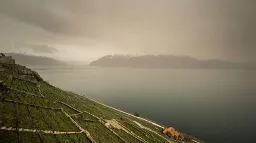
(6, 59)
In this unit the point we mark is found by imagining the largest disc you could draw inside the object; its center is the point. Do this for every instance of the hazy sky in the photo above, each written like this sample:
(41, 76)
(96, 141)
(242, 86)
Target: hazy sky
(87, 29)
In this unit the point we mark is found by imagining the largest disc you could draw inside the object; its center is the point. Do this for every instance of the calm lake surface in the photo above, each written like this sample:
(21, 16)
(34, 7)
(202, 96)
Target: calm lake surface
(214, 105)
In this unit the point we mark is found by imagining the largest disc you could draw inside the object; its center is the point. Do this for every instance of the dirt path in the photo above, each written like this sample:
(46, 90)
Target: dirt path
(37, 130)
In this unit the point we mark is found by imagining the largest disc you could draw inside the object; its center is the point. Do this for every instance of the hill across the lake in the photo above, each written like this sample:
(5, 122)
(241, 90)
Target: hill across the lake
(32, 60)
(166, 61)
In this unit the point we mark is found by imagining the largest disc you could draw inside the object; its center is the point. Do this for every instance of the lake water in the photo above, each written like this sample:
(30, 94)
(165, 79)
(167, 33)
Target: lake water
(214, 105)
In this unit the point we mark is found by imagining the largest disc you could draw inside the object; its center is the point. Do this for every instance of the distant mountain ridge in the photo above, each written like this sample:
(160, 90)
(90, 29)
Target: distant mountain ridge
(31, 60)
(166, 61)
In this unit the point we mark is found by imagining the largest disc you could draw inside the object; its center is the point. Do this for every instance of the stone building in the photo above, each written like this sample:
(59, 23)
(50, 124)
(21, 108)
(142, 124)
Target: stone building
(6, 59)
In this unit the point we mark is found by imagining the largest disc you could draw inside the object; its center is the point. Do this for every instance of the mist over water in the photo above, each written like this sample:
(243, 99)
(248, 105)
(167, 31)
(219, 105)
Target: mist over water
(214, 105)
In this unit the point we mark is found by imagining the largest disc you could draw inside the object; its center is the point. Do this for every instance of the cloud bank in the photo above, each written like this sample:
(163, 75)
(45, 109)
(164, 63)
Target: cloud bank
(200, 28)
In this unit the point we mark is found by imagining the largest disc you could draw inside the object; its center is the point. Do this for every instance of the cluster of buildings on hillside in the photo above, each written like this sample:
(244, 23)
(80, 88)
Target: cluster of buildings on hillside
(5, 60)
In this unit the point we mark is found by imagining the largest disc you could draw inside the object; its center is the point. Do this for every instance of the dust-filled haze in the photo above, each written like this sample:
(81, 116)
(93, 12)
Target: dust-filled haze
(84, 30)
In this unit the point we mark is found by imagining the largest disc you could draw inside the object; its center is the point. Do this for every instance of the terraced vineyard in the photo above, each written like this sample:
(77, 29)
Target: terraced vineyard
(31, 110)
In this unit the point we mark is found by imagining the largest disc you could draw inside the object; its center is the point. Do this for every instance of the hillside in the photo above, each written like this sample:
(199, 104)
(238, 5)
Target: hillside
(34, 111)
(165, 61)
(30, 60)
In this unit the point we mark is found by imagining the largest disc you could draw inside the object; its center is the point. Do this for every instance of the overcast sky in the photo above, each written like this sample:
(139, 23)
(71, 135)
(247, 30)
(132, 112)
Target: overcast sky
(87, 29)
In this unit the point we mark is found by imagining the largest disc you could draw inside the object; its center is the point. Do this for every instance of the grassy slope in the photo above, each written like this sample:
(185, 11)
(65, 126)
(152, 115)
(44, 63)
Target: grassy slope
(28, 112)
